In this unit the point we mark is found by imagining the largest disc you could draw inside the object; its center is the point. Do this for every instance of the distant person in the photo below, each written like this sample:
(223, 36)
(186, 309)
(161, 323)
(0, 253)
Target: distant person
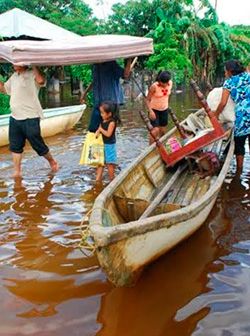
(237, 85)
(110, 120)
(106, 87)
(158, 103)
(26, 111)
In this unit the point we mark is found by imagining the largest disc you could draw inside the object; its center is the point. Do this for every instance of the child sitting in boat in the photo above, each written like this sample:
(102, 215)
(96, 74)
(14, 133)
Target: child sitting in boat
(157, 101)
(110, 118)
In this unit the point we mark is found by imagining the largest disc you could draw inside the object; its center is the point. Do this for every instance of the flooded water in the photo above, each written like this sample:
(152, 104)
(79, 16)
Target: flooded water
(49, 287)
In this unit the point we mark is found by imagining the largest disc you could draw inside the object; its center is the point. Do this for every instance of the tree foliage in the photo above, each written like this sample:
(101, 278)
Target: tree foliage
(188, 39)
(4, 100)
(133, 18)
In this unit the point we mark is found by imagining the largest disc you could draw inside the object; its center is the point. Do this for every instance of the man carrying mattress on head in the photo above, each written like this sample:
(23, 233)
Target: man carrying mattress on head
(26, 111)
(106, 87)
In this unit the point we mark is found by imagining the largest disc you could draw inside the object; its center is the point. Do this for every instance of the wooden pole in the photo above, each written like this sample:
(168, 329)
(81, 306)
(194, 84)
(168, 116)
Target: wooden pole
(133, 63)
(159, 144)
(201, 98)
(215, 122)
(177, 124)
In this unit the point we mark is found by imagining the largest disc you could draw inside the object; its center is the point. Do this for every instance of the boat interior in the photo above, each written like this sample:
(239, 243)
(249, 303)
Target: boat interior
(150, 188)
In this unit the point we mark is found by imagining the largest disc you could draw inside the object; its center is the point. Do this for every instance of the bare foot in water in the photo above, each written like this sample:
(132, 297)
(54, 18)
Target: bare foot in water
(17, 175)
(52, 162)
(18, 181)
(54, 166)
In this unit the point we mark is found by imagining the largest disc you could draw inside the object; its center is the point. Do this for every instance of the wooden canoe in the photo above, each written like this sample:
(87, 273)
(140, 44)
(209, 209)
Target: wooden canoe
(124, 242)
(56, 120)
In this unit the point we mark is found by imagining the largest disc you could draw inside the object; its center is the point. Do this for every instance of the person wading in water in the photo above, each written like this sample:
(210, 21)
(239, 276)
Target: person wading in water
(26, 111)
(106, 87)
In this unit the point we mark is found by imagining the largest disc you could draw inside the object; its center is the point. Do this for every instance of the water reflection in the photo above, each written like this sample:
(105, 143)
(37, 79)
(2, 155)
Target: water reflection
(166, 286)
(236, 201)
(227, 303)
(45, 273)
(229, 299)
(36, 251)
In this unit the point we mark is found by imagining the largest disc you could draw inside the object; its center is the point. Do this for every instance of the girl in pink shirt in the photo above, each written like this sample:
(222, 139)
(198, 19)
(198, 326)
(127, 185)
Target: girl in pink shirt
(157, 101)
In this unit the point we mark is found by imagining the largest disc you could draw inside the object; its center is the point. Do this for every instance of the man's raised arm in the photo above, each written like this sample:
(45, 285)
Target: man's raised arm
(38, 76)
(2, 88)
(127, 69)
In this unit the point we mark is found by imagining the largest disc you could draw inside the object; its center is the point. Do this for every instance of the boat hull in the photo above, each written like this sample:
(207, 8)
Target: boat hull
(55, 121)
(125, 248)
(141, 250)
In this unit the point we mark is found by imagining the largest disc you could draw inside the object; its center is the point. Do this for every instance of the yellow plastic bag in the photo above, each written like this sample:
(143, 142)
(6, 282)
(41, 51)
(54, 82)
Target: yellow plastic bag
(92, 151)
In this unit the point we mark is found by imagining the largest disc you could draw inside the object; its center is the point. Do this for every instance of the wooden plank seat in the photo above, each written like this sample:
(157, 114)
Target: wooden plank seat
(187, 189)
(132, 209)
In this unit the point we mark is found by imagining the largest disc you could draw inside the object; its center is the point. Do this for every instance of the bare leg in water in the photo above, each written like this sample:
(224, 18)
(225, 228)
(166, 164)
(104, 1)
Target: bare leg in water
(52, 162)
(111, 171)
(239, 161)
(17, 159)
(99, 172)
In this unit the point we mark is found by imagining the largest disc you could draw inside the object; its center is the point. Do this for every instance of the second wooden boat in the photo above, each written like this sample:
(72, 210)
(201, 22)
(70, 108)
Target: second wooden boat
(148, 209)
(56, 120)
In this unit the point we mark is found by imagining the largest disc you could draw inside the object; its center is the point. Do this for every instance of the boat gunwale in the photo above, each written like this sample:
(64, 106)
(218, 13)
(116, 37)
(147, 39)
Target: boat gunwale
(48, 111)
(104, 236)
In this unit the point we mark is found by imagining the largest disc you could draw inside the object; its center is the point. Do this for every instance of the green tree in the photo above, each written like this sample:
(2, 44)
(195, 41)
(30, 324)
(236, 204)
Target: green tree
(240, 36)
(189, 37)
(4, 100)
(135, 17)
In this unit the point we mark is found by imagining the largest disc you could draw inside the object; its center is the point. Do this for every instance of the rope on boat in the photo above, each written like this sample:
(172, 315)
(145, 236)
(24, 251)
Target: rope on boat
(87, 242)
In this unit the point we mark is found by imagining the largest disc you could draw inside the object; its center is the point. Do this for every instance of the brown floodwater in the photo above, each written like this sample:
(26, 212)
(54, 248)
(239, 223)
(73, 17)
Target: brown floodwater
(49, 287)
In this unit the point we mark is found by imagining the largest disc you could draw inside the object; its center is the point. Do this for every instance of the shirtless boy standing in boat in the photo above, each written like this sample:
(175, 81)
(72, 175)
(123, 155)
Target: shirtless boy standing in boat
(26, 111)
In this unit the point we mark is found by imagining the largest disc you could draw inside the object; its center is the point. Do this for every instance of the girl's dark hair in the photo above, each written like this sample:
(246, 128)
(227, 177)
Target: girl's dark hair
(113, 108)
(235, 67)
(163, 76)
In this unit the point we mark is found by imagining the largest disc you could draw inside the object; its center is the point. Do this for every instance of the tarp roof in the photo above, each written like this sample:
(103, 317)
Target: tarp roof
(61, 46)
(17, 22)
(88, 49)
